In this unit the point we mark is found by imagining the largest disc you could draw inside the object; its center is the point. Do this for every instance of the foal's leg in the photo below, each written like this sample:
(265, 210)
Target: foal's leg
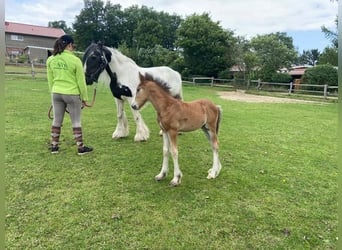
(142, 132)
(166, 152)
(122, 124)
(216, 168)
(177, 174)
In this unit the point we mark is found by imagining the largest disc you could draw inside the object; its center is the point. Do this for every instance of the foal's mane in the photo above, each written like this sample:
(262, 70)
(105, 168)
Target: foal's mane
(162, 84)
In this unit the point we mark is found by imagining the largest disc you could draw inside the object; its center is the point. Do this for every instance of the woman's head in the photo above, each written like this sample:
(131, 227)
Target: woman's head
(65, 41)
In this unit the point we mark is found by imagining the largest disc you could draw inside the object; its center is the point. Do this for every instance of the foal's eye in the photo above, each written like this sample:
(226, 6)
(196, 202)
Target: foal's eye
(138, 89)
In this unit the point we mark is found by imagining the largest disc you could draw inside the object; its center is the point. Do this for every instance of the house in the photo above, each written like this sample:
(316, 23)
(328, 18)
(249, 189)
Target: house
(298, 71)
(30, 40)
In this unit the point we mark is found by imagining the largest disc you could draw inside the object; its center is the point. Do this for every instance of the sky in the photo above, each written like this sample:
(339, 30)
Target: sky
(300, 19)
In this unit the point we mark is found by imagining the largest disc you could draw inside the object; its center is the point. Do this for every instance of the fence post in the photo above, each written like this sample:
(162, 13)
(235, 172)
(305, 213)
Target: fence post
(259, 84)
(290, 89)
(212, 81)
(325, 91)
(33, 73)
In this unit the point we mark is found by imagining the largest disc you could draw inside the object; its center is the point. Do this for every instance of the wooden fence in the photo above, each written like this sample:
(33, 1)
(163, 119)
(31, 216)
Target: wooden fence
(292, 88)
(324, 91)
(318, 90)
(30, 70)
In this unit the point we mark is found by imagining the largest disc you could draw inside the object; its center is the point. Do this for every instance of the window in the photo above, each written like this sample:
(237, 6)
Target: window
(17, 38)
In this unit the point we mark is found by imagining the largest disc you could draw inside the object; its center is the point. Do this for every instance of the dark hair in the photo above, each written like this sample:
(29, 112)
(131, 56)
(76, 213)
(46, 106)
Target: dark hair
(61, 43)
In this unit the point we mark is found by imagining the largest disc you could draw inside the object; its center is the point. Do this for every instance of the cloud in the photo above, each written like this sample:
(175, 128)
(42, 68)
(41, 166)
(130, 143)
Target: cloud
(251, 17)
(40, 12)
(248, 17)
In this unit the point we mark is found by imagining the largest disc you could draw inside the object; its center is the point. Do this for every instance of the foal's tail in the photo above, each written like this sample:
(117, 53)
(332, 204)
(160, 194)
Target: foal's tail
(219, 109)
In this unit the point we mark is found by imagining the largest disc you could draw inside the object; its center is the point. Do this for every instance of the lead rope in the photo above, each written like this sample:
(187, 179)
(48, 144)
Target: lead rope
(85, 104)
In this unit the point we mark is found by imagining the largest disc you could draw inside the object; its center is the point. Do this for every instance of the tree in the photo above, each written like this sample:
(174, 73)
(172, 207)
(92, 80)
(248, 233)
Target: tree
(61, 24)
(274, 51)
(145, 28)
(331, 35)
(114, 30)
(309, 57)
(245, 59)
(205, 45)
(320, 75)
(90, 24)
(329, 56)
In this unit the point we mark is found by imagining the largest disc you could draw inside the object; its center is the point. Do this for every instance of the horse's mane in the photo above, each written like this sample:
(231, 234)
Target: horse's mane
(164, 85)
(121, 58)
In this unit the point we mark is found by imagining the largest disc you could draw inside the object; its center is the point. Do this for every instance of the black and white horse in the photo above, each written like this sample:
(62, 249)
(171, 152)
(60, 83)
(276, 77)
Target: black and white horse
(108, 65)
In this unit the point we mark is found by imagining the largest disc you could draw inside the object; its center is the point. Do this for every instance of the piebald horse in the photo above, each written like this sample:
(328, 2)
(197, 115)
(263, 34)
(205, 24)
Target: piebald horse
(175, 116)
(121, 73)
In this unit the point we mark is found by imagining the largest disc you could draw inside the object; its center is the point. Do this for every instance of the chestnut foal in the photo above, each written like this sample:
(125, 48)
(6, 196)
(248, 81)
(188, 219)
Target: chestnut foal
(176, 116)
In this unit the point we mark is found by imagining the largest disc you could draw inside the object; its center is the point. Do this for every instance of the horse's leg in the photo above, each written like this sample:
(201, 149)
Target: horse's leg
(216, 168)
(142, 132)
(177, 174)
(166, 152)
(122, 124)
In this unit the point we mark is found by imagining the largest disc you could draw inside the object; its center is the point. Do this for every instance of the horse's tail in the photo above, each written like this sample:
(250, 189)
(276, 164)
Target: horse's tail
(219, 114)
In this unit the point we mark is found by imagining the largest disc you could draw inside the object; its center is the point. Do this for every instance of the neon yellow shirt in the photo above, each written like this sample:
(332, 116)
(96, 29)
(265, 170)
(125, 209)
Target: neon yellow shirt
(66, 76)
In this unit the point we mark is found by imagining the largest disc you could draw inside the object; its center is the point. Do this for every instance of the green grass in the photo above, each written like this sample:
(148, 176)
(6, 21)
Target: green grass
(277, 188)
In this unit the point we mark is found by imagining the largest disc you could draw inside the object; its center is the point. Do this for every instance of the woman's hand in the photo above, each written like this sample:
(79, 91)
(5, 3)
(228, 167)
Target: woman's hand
(84, 104)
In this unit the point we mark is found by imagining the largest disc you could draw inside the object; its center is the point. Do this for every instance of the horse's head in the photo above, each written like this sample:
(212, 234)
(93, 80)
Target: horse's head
(141, 96)
(95, 60)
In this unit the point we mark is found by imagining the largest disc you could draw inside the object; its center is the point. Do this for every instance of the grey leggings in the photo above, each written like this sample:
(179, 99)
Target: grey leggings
(74, 104)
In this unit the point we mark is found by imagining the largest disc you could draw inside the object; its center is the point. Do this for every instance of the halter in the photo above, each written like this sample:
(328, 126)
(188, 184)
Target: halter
(103, 57)
(103, 65)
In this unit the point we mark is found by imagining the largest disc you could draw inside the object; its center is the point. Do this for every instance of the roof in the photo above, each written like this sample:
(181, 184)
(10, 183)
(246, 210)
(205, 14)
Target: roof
(37, 47)
(295, 72)
(298, 70)
(34, 30)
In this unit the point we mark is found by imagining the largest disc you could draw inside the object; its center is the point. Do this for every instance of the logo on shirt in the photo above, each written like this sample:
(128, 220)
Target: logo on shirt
(60, 64)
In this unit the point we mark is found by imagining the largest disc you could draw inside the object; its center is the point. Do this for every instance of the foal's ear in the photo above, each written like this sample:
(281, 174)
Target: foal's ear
(141, 77)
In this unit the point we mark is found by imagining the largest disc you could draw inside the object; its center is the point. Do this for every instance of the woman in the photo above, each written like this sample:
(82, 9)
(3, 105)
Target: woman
(68, 88)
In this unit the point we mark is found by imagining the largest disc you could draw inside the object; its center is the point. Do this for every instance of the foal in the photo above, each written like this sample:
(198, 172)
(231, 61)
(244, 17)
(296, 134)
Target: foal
(175, 116)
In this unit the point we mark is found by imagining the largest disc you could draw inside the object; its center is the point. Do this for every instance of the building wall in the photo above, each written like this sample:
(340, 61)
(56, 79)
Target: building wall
(36, 55)
(16, 47)
(28, 40)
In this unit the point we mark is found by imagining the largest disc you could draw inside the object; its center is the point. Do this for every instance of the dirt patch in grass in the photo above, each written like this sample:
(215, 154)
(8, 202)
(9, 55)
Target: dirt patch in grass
(241, 96)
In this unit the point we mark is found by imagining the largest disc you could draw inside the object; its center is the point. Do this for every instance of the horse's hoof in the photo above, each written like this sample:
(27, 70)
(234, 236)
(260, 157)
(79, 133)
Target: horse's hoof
(175, 182)
(159, 177)
(116, 136)
(140, 138)
(212, 174)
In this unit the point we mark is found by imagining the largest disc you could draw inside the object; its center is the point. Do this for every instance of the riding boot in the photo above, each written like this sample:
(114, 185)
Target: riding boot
(55, 133)
(79, 142)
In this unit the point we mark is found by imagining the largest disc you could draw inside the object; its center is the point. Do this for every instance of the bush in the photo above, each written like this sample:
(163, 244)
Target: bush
(321, 75)
(22, 59)
(281, 78)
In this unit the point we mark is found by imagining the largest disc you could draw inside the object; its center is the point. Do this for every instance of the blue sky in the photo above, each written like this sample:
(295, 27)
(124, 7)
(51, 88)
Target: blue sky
(302, 20)
(311, 39)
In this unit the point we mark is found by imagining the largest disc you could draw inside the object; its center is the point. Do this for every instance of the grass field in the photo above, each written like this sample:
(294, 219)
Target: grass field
(277, 188)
